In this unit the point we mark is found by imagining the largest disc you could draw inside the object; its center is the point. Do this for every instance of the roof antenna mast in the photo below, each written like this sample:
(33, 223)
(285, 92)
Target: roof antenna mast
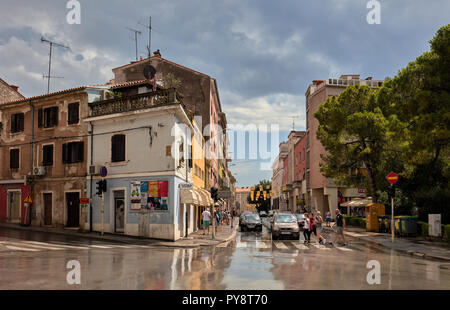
(149, 27)
(49, 76)
(136, 32)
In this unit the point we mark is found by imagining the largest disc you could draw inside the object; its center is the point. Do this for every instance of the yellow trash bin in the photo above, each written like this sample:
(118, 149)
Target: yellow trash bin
(373, 211)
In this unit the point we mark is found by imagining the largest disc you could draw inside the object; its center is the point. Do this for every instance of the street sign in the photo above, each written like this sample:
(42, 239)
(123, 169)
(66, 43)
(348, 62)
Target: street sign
(361, 190)
(28, 199)
(103, 172)
(85, 201)
(185, 186)
(392, 177)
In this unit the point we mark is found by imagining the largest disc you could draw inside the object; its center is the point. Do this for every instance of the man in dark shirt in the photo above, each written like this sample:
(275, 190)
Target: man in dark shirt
(340, 226)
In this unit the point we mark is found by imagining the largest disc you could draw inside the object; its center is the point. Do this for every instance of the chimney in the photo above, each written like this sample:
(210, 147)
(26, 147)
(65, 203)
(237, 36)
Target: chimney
(157, 53)
(16, 88)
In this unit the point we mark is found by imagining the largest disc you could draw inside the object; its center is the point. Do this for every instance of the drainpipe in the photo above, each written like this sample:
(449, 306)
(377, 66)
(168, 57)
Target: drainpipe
(90, 185)
(31, 163)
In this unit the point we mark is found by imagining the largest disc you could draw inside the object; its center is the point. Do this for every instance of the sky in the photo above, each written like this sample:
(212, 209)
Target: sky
(264, 54)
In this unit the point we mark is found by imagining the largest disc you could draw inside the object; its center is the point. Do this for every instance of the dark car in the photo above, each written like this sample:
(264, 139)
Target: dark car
(250, 221)
(285, 225)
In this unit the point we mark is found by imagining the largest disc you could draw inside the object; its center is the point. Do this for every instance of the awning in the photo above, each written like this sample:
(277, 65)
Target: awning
(207, 200)
(190, 196)
(197, 196)
(356, 203)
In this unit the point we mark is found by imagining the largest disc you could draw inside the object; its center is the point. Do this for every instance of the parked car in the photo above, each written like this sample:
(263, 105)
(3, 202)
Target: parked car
(301, 220)
(250, 221)
(263, 214)
(242, 216)
(285, 225)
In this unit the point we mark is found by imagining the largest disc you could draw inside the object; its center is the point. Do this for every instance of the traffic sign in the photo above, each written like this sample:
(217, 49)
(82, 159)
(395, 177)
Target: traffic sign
(392, 177)
(28, 199)
(85, 201)
(103, 172)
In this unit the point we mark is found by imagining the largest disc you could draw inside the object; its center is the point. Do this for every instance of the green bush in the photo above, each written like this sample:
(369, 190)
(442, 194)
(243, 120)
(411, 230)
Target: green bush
(447, 232)
(424, 229)
(362, 222)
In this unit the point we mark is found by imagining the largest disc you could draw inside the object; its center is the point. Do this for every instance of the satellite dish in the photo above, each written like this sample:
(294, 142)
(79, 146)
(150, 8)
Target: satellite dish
(149, 72)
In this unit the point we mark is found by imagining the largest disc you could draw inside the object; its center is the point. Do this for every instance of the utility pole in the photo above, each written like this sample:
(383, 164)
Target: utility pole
(51, 43)
(136, 32)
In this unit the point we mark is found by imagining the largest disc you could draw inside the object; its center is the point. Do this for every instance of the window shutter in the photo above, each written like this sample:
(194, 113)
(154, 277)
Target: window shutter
(118, 148)
(21, 122)
(55, 116)
(13, 123)
(64, 153)
(80, 152)
(40, 118)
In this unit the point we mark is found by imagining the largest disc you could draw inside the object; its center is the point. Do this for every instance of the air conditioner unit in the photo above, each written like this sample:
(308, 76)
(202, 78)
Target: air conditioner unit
(39, 171)
(94, 170)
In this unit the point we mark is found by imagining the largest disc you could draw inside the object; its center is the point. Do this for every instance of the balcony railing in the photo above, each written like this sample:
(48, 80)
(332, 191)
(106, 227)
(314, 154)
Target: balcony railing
(136, 102)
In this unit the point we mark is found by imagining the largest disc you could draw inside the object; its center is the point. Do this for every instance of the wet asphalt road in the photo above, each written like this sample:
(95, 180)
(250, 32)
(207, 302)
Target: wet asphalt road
(252, 261)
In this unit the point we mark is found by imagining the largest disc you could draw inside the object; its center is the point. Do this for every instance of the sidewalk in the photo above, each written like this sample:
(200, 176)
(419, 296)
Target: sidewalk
(415, 246)
(194, 240)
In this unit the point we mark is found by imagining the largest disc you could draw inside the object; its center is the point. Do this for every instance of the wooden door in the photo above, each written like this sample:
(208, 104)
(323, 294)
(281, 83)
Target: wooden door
(73, 209)
(48, 209)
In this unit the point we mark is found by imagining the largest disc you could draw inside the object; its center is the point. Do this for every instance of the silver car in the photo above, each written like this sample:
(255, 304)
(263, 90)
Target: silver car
(285, 225)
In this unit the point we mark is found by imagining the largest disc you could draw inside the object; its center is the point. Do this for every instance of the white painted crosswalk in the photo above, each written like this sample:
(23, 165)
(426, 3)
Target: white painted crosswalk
(284, 245)
(37, 246)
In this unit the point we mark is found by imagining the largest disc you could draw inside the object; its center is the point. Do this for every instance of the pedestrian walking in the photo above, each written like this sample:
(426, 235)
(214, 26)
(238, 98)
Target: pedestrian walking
(217, 220)
(206, 217)
(328, 219)
(340, 227)
(312, 225)
(306, 231)
(319, 222)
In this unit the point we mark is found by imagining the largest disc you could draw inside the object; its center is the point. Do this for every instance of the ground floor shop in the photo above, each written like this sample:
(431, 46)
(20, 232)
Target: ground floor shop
(328, 199)
(151, 207)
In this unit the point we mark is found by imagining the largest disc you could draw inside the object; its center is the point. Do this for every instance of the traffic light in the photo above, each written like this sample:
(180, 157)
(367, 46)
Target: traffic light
(99, 188)
(104, 186)
(214, 194)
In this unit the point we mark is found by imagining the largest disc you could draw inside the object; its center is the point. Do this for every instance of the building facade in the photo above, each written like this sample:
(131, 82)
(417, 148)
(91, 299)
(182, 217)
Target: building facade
(43, 143)
(322, 193)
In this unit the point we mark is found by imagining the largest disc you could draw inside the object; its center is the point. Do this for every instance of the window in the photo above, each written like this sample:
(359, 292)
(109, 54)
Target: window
(118, 148)
(14, 158)
(48, 117)
(73, 152)
(47, 155)
(17, 122)
(74, 114)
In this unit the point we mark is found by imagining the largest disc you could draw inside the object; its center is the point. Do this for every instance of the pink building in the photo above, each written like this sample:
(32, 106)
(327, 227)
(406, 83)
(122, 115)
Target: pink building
(323, 193)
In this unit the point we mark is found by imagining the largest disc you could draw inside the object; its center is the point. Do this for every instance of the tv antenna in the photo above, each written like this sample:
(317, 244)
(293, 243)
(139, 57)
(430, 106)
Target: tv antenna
(293, 121)
(49, 76)
(136, 32)
(149, 27)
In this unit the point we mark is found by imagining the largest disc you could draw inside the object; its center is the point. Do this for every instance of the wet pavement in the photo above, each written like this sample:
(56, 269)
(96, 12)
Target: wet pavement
(249, 261)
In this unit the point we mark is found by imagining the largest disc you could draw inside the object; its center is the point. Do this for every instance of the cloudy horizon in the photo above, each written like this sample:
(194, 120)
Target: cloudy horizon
(264, 54)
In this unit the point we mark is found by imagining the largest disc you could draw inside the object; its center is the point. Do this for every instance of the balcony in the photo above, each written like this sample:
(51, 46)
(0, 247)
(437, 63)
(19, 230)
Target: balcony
(152, 99)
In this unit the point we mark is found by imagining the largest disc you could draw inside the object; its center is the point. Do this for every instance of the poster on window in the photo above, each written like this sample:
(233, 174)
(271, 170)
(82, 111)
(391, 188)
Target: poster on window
(150, 195)
(135, 195)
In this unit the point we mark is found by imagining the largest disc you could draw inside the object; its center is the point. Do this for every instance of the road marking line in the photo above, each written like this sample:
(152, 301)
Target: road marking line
(37, 243)
(344, 249)
(262, 245)
(58, 245)
(320, 246)
(11, 247)
(300, 246)
(241, 244)
(121, 246)
(280, 245)
(223, 245)
(38, 246)
(100, 246)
